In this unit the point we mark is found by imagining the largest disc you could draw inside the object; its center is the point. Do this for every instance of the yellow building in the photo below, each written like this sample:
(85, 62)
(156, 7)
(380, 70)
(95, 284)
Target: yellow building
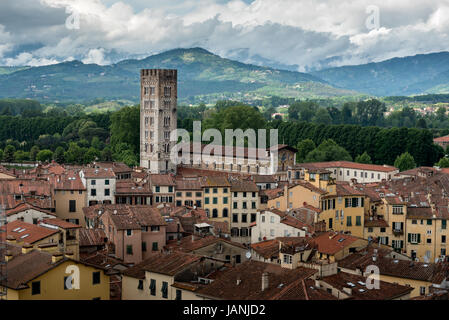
(69, 197)
(396, 268)
(217, 198)
(343, 209)
(168, 276)
(38, 275)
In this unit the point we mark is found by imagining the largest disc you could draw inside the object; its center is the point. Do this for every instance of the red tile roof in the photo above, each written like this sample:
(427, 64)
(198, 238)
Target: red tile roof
(26, 232)
(349, 165)
(331, 242)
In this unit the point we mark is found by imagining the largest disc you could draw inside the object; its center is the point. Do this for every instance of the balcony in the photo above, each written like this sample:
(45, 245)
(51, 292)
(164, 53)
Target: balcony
(398, 232)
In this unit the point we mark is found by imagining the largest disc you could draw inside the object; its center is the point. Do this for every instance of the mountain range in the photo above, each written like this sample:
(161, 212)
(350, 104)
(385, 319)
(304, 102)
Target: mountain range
(204, 76)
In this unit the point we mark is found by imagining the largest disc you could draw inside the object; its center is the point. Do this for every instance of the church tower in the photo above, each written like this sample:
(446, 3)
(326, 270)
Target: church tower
(158, 103)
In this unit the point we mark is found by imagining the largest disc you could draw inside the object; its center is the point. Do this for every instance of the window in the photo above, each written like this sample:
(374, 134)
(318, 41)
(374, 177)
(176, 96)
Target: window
(155, 228)
(93, 192)
(206, 190)
(170, 189)
(272, 232)
(287, 259)
(348, 221)
(158, 189)
(253, 217)
(206, 200)
(144, 246)
(414, 237)
(370, 229)
(178, 294)
(214, 200)
(35, 288)
(382, 230)
(214, 213)
(152, 90)
(244, 218)
(153, 287)
(155, 246)
(164, 289)
(198, 194)
(443, 239)
(272, 219)
(443, 224)
(129, 249)
(225, 212)
(235, 218)
(429, 222)
(140, 286)
(225, 200)
(167, 91)
(422, 291)
(358, 220)
(106, 182)
(107, 192)
(225, 190)
(414, 221)
(96, 277)
(93, 182)
(235, 205)
(72, 205)
(129, 232)
(263, 218)
(179, 194)
(253, 205)
(244, 205)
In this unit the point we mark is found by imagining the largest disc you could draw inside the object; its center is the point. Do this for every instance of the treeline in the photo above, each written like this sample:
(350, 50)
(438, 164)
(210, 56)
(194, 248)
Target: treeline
(383, 145)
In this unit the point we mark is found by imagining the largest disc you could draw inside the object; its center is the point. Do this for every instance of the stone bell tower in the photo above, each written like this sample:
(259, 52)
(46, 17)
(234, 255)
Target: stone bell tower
(158, 118)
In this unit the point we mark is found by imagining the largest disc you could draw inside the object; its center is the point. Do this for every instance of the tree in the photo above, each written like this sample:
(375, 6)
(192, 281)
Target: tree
(33, 153)
(8, 154)
(443, 163)
(370, 113)
(21, 155)
(328, 150)
(364, 158)
(405, 162)
(106, 154)
(91, 155)
(322, 116)
(58, 156)
(125, 126)
(304, 147)
(74, 154)
(44, 155)
(1, 154)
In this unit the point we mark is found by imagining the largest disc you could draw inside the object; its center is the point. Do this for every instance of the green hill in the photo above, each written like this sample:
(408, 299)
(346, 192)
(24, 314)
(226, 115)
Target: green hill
(424, 73)
(203, 76)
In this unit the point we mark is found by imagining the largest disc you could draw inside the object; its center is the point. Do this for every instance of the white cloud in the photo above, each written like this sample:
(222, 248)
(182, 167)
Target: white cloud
(307, 33)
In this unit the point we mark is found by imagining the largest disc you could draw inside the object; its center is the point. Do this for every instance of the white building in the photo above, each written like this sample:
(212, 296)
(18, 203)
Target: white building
(100, 185)
(273, 223)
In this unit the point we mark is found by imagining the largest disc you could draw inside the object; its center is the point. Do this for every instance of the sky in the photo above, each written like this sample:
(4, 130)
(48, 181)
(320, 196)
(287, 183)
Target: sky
(302, 35)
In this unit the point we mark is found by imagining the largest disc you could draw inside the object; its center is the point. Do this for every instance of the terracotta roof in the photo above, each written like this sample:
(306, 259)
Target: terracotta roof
(188, 184)
(187, 245)
(244, 282)
(376, 223)
(429, 272)
(126, 187)
(162, 180)
(101, 173)
(116, 167)
(267, 249)
(243, 186)
(27, 232)
(349, 165)
(359, 291)
(215, 181)
(92, 237)
(61, 223)
(289, 220)
(331, 242)
(134, 217)
(27, 206)
(441, 139)
(309, 186)
(163, 263)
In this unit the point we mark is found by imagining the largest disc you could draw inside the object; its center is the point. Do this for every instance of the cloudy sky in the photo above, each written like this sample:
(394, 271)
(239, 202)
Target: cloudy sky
(306, 34)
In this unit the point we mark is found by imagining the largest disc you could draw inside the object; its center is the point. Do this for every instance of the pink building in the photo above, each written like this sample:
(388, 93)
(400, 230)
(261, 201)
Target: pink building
(134, 232)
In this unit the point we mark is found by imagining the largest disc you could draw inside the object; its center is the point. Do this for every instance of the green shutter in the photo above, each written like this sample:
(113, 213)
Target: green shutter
(409, 237)
(419, 237)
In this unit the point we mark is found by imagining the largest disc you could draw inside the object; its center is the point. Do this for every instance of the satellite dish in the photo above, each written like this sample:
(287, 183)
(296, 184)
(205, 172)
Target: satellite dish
(248, 255)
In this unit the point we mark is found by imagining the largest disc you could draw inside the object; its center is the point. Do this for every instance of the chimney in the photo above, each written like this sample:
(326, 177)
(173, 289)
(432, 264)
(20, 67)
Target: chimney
(8, 255)
(10, 239)
(27, 248)
(56, 257)
(264, 281)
